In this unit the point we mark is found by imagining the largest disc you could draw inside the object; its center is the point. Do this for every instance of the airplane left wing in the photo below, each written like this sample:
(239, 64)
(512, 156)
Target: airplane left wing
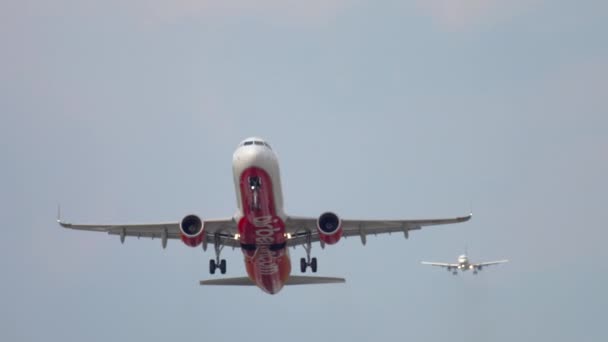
(225, 229)
(440, 264)
(300, 228)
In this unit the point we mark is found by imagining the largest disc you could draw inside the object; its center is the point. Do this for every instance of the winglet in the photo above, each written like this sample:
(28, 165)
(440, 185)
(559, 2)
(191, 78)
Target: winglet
(61, 223)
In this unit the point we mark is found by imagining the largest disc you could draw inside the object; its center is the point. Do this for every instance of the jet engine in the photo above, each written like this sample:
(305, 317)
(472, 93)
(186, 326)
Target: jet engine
(329, 226)
(191, 230)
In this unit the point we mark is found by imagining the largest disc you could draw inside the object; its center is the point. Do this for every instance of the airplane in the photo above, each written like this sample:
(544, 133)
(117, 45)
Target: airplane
(261, 228)
(464, 264)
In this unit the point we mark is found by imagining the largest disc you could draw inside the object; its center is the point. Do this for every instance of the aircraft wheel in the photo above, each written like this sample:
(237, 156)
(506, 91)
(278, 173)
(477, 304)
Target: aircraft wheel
(212, 266)
(223, 266)
(302, 265)
(313, 265)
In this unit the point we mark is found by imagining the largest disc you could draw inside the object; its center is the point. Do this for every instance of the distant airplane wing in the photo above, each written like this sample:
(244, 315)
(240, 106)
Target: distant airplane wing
(300, 228)
(484, 264)
(440, 264)
(225, 228)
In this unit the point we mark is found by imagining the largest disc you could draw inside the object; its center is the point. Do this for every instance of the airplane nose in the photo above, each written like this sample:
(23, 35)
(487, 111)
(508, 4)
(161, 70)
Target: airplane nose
(253, 156)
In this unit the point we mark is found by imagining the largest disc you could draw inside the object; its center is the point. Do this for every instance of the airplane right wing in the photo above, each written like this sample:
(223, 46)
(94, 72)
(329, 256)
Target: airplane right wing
(440, 264)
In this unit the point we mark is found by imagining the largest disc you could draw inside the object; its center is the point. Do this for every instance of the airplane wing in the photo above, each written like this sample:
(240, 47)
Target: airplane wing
(440, 264)
(484, 264)
(226, 229)
(300, 228)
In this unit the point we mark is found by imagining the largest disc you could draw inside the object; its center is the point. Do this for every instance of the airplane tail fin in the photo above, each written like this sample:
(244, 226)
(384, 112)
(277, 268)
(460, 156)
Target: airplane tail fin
(292, 280)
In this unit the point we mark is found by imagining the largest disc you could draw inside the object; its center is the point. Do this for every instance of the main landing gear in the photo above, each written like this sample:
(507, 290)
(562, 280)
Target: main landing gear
(213, 265)
(312, 262)
(217, 263)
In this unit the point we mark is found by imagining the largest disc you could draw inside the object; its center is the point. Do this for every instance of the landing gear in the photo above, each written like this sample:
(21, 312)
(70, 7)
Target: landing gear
(255, 201)
(304, 264)
(255, 183)
(312, 262)
(213, 266)
(217, 263)
(455, 273)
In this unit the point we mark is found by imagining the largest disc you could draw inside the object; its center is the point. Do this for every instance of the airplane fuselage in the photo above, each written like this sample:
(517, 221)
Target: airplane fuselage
(260, 215)
(463, 263)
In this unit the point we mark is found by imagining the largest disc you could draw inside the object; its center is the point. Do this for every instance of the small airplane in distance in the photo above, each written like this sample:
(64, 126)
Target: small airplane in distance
(260, 228)
(464, 265)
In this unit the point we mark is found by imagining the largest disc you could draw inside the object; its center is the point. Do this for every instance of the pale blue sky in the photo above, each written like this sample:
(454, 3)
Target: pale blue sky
(129, 111)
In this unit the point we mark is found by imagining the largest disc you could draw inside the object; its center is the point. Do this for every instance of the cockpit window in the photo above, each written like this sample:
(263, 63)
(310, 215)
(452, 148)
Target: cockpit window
(256, 142)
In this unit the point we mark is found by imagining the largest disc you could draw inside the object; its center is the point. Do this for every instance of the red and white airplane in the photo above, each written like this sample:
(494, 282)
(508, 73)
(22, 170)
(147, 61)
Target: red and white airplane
(261, 228)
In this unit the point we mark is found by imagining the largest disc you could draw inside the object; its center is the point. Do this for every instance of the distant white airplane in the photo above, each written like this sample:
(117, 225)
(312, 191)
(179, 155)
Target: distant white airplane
(464, 264)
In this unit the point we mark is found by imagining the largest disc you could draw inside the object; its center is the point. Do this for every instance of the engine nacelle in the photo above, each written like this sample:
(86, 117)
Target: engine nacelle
(329, 226)
(191, 230)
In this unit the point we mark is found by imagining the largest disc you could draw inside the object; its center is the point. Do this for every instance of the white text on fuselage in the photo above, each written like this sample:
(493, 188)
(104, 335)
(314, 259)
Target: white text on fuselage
(264, 236)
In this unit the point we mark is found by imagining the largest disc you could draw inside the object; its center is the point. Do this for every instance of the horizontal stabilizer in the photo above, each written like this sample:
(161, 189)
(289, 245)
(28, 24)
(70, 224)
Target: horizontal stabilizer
(292, 280)
(240, 281)
(304, 280)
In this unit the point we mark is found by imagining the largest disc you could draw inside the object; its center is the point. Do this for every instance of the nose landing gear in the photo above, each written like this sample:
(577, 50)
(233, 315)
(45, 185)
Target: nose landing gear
(255, 183)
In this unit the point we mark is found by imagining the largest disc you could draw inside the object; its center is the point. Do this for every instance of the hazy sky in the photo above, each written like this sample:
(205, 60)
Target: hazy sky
(129, 111)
